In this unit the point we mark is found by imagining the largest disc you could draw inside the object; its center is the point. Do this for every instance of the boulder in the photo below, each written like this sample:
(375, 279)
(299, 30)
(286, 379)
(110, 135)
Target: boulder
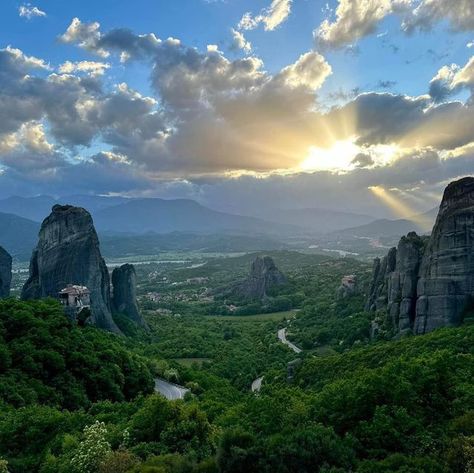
(68, 253)
(124, 295)
(5, 273)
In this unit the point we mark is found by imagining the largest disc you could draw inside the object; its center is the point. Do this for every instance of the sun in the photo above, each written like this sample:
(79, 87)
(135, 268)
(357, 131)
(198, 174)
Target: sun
(336, 158)
(340, 156)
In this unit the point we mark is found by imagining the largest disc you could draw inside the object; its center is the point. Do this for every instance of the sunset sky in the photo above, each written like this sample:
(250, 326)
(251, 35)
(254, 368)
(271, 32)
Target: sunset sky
(358, 105)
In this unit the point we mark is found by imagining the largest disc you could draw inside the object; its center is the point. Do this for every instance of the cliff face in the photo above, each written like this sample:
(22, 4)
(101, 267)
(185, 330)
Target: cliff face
(124, 298)
(432, 281)
(68, 253)
(447, 271)
(262, 277)
(5, 273)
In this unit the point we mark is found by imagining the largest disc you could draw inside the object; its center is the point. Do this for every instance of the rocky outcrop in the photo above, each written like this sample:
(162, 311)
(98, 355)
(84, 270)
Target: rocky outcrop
(124, 295)
(5, 273)
(402, 282)
(446, 285)
(348, 287)
(431, 283)
(378, 292)
(263, 276)
(68, 253)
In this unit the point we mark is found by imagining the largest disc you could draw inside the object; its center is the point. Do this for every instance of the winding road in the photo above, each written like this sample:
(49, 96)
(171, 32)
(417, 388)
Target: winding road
(170, 391)
(283, 339)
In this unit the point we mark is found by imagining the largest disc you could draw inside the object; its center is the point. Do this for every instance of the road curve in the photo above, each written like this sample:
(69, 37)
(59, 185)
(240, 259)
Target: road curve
(283, 339)
(170, 391)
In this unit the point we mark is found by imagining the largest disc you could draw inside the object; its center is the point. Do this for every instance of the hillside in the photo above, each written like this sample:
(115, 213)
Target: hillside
(18, 235)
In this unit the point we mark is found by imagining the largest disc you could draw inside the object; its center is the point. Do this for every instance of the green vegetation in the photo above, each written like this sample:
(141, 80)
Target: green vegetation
(75, 399)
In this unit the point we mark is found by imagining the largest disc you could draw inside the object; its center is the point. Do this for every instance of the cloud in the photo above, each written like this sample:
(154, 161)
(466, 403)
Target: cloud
(91, 67)
(86, 35)
(355, 19)
(363, 160)
(271, 17)
(29, 11)
(310, 70)
(459, 14)
(211, 125)
(239, 41)
(452, 78)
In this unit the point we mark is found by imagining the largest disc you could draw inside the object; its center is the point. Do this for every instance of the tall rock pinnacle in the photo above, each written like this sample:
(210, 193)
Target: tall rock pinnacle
(446, 282)
(262, 277)
(124, 296)
(431, 284)
(68, 253)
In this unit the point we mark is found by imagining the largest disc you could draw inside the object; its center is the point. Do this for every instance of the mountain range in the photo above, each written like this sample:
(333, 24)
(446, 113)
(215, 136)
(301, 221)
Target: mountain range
(124, 222)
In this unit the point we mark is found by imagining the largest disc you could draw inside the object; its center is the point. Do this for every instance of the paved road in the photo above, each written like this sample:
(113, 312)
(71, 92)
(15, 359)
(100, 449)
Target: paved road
(283, 339)
(257, 385)
(168, 390)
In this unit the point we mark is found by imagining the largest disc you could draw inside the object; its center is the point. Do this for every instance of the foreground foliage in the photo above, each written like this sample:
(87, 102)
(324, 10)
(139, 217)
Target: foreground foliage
(404, 406)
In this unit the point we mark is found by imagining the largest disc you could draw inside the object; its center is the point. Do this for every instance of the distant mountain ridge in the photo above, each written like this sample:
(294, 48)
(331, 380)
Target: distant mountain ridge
(18, 235)
(180, 215)
(422, 223)
(316, 219)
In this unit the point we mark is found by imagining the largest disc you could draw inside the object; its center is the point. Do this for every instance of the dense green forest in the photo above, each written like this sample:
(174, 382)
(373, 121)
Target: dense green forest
(77, 399)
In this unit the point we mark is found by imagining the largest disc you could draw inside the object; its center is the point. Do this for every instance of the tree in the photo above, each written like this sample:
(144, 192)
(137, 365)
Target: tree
(93, 450)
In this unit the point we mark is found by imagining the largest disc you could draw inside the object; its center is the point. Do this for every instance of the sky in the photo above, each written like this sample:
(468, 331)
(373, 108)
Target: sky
(244, 105)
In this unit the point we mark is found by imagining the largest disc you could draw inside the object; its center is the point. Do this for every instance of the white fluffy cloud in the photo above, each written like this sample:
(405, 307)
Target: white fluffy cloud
(91, 67)
(310, 70)
(240, 42)
(86, 35)
(356, 19)
(451, 79)
(459, 14)
(29, 11)
(271, 17)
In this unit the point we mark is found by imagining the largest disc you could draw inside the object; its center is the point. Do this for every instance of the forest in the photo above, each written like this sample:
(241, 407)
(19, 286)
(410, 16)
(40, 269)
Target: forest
(78, 399)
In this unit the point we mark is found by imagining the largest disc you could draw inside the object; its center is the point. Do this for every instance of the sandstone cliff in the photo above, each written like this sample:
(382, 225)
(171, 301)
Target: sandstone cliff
(263, 276)
(426, 283)
(68, 253)
(124, 296)
(5, 273)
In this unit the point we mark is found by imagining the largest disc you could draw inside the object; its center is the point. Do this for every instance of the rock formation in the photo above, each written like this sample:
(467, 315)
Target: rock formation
(348, 287)
(263, 276)
(68, 253)
(426, 283)
(378, 293)
(446, 283)
(5, 273)
(124, 295)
